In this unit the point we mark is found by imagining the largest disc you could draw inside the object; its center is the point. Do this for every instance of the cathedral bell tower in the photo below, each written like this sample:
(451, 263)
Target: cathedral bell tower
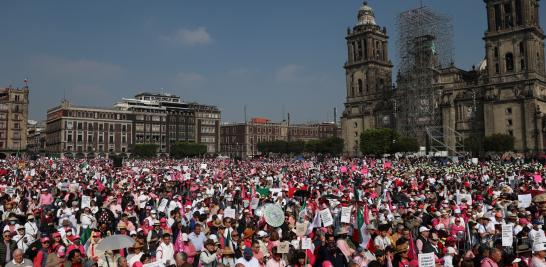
(368, 76)
(514, 40)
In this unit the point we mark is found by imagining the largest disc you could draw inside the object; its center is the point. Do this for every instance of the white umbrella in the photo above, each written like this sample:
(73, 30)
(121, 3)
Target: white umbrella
(115, 242)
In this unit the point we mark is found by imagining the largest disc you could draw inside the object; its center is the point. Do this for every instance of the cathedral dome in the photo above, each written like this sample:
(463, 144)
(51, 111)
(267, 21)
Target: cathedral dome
(366, 15)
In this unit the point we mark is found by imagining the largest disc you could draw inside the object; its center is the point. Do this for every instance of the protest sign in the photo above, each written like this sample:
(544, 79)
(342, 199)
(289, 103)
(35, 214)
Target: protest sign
(306, 243)
(283, 247)
(346, 214)
(229, 213)
(507, 235)
(326, 217)
(427, 260)
(86, 202)
(524, 201)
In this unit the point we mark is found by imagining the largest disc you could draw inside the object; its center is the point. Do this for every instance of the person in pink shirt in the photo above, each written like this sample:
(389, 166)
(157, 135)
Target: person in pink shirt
(46, 198)
(182, 244)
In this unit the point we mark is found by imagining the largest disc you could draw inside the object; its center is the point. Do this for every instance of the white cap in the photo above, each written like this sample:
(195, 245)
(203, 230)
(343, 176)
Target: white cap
(184, 237)
(262, 233)
(539, 247)
(423, 229)
(451, 250)
(457, 211)
(214, 238)
(132, 233)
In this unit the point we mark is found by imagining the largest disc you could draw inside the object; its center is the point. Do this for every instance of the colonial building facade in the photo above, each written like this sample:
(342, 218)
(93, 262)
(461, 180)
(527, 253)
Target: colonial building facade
(505, 93)
(148, 118)
(13, 119)
(242, 139)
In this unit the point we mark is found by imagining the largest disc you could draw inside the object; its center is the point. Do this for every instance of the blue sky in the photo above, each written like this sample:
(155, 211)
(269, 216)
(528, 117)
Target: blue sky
(268, 55)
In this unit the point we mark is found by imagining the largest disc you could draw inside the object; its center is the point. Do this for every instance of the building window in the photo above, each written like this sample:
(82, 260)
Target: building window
(508, 111)
(511, 132)
(80, 138)
(496, 53)
(519, 13)
(69, 138)
(509, 58)
(111, 139)
(522, 64)
(90, 139)
(509, 122)
(360, 86)
(80, 126)
(508, 19)
(16, 125)
(497, 68)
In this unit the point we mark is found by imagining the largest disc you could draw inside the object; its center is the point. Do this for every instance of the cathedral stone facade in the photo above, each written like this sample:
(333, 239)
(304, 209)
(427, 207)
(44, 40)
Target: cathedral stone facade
(505, 93)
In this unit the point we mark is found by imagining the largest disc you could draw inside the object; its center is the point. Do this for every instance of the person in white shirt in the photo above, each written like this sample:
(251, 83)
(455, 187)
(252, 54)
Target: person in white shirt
(276, 260)
(448, 258)
(165, 251)
(22, 239)
(248, 259)
(539, 255)
(30, 227)
(135, 257)
(382, 241)
(209, 256)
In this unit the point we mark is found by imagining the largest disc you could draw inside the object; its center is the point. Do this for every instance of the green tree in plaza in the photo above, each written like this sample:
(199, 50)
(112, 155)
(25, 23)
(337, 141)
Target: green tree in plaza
(187, 149)
(499, 143)
(385, 140)
(145, 150)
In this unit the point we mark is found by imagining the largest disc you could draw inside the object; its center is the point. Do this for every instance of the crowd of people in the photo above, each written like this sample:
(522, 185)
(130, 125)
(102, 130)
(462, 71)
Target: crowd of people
(314, 212)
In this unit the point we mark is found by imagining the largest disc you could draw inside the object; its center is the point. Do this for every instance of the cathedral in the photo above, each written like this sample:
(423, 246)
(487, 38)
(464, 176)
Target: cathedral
(440, 104)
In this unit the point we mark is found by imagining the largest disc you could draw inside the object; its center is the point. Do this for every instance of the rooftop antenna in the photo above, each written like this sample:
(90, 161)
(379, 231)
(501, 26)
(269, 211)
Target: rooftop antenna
(282, 111)
(244, 109)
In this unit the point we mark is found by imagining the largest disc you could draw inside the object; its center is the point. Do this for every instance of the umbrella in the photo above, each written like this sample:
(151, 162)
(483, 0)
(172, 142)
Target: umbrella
(274, 215)
(115, 242)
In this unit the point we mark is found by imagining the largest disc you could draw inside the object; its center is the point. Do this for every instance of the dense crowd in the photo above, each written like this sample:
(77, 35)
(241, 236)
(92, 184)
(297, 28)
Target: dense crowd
(272, 212)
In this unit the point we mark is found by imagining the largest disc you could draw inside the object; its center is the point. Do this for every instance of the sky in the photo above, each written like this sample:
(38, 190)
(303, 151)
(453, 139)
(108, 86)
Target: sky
(273, 57)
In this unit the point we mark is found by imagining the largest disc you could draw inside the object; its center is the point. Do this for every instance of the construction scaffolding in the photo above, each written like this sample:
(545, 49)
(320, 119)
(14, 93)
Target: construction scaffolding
(425, 45)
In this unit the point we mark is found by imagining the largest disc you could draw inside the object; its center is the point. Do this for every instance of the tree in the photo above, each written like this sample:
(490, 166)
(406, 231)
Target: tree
(499, 143)
(378, 141)
(473, 145)
(405, 144)
(296, 147)
(187, 149)
(145, 150)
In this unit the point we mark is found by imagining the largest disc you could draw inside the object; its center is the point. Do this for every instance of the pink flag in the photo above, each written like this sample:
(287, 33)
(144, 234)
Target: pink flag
(364, 171)
(343, 169)
(537, 178)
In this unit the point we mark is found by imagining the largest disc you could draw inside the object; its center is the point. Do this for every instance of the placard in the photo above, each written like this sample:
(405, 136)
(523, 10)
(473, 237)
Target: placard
(163, 205)
(346, 214)
(427, 260)
(326, 217)
(254, 203)
(203, 166)
(154, 264)
(468, 198)
(300, 229)
(283, 247)
(507, 235)
(306, 243)
(524, 201)
(86, 202)
(475, 161)
(10, 190)
(185, 168)
(229, 213)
